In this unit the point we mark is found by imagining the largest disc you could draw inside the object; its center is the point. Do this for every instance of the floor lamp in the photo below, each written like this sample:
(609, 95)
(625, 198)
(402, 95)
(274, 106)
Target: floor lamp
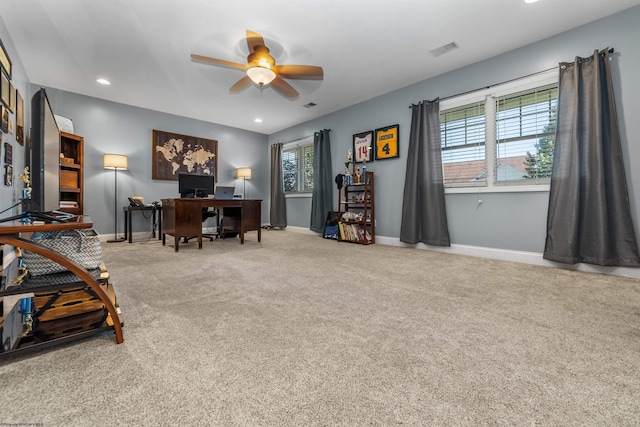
(115, 162)
(245, 174)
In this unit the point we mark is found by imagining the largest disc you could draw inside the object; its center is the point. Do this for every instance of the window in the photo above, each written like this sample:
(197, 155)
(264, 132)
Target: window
(297, 167)
(525, 133)
(463, 144)
(502, 135)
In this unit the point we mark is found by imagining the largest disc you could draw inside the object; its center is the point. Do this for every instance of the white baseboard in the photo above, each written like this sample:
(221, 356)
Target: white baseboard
(534, 258)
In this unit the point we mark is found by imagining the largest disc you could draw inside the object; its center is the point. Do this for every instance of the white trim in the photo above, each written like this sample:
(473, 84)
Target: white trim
(488, 95)
(301, 142)
(524, 257)
(533, 258)
(297, 143)
(507, 188)
(293, 195)
(520, 85)
(540, 79)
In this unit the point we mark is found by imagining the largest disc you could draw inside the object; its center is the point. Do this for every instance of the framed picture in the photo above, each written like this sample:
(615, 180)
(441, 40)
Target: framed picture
(8, 175)
(8, 153)
(5, 62)
(387, 142)
(5, 88)
(12, 98)
(362, 146)
(174, 153)
(19, 118)
(4, 117)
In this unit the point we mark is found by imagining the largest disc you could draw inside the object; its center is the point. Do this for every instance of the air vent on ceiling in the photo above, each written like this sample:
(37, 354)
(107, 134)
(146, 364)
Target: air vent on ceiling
(444, 49)
(309, 105)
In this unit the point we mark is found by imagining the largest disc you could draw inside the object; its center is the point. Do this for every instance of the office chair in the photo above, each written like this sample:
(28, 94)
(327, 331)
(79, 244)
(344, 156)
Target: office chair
(210, 213)
(206, 214)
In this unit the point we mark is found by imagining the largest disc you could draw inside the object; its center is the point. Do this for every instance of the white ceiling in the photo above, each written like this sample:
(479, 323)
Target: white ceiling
(366, 47)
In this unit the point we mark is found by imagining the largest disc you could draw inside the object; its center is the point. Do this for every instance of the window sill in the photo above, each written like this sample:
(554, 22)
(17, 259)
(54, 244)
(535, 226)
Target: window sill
(499, 189)
(297, 195)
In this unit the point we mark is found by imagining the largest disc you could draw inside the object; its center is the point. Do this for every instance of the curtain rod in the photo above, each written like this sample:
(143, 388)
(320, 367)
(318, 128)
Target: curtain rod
(302, 137)
(611, 50)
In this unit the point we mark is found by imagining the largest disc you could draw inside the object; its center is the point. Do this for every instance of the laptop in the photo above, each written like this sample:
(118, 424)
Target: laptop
(224, 193)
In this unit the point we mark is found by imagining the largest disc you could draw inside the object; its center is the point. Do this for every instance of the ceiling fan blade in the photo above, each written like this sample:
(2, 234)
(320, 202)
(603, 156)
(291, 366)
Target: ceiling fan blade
(240, 84)
(309, 72)
(219, 62)
(254, 39)
(284, 88)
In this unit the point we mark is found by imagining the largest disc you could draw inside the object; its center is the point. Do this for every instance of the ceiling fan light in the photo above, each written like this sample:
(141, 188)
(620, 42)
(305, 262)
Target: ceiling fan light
(260, 75)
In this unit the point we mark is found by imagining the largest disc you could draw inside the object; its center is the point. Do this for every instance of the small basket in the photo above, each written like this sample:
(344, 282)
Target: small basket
(81, 246)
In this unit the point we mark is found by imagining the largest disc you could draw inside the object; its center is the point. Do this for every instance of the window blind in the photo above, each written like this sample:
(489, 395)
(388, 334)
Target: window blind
(463, 133)
(525, 132)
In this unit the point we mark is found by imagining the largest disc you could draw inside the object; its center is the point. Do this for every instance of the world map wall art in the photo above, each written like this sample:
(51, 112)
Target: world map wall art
(174, 154)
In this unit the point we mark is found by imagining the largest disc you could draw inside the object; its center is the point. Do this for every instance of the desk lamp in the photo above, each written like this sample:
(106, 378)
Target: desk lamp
(245, 174)
(115, 162)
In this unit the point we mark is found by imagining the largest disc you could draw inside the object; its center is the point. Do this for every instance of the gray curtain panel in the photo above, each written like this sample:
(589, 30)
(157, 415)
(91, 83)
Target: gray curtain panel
(322, 196)
(424, 218)
(589, 219)
(278, 210)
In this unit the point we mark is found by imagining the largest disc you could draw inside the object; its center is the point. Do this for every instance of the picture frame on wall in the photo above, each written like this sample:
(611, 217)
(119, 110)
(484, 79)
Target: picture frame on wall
(5, 62)
(12, 98)
(387, 142)
(362, 147)
(8, 153)
(4, 88)
(19, 118)
(173, 153)
(4, 119)
(8, 175)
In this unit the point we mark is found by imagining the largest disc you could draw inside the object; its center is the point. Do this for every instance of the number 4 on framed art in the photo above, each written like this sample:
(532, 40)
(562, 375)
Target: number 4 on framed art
(387, 142)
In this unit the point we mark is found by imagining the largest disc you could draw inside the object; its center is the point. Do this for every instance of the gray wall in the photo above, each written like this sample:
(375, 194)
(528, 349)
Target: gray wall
(109, 127)
(513, 221)
(10, 195)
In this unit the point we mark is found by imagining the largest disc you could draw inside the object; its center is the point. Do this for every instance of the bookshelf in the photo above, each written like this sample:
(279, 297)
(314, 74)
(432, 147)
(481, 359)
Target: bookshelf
(356, 211)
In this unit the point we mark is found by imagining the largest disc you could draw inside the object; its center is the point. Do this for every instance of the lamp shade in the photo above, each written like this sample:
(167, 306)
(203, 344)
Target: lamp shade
(260, 75)
(115, 161)
(244, 173)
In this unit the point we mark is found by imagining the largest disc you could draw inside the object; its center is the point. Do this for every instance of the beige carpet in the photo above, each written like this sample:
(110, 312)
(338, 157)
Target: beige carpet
(299, 330)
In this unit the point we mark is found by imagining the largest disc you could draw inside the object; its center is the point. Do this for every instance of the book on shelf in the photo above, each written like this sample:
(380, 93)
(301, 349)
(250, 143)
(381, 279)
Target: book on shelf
(68, 204)
(354, 232)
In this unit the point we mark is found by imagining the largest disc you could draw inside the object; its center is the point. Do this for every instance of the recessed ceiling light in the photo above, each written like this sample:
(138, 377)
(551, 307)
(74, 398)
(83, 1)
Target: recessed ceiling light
(258, 120)
(530, 1)
(104, 82)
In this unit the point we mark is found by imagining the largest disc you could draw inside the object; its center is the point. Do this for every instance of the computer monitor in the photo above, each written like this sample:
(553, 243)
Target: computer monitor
(195, 185)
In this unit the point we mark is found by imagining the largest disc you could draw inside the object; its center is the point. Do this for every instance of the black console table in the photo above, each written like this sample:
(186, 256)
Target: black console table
(156, 213)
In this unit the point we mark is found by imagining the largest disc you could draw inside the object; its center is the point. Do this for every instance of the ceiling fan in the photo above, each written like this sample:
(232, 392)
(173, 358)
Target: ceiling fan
(262, 70)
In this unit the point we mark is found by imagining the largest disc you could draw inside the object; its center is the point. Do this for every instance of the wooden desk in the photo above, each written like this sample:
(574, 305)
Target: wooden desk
(183, 217)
